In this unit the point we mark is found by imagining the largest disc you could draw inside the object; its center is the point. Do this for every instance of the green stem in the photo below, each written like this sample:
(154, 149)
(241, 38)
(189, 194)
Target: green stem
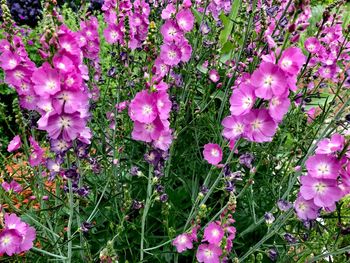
(70, 220)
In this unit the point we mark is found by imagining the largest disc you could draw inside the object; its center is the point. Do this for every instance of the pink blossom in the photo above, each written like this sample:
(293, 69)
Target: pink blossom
(242, 100)
(14, 144)
(46, 81)
(278, 107)
(323, 192)
(292, 60)
(332, 145)
(163, 105)
(213, 233)
(212, 153)
(13, 186)
(66, 125)
(208, 253)
(186, 50)
(185, 20)
(170, 31)
(214, 75)
(269, 81)
(164, 140)
(9, 60)
(147, 132)
(37, 153)
(143, 108)
(260, 127)
(306, 209)
(183, 242)
(168, 11)
(10, 241)
(234, 127)
(323, 166)
(170, 54)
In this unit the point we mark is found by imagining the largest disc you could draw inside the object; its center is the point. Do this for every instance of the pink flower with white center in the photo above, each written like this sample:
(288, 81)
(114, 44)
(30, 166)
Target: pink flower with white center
(63, 63)
(17, 77)
(269, 81)
(332, 145)
(306, 209)
(170, 31)
(147, 132)
(185, 20)
(46, 81)
(323, 192)
(292, 60)
(13, 186)
(214, 75)
(208, 253)
(10, 241)
(113, 34)
(69, 102)
(212, 153)
(73, 81)
(323, 166)
(163, 105)
(143, 108)
(234, 127)
(66, 125)
(186, 50)
(161, 68)
(170, 54)
(278, 107)
(213, 233)
(183, 242)
(242, 100)
(168, 11)
(36, 154)
(14, 144)
(27, 239)
(164, 140)
(260, 127)
(12, 221)
(69, 43)
(327, 72)
(9, 60)
(28, 101)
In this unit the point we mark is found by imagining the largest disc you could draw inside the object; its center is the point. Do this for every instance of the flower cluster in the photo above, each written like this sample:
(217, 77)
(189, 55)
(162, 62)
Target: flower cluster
(327, 179)
(269, 85)
(216, 7)
(216, 242)
(16, 236)
(128, 25)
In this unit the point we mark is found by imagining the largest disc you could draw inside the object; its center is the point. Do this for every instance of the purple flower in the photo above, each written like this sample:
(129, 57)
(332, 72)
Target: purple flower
(10, 241)
(14, 144)
(284, 205)
(13, 186)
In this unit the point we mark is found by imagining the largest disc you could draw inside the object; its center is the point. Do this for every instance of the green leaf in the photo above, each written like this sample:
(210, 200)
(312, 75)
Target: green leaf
(228, 22)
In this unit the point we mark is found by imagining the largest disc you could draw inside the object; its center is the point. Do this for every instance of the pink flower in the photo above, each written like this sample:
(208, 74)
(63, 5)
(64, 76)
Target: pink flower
(242, 100)
(324, 192)
(164, 140)
(46, 81)
(12, 221)
(66, 125)
(27, 239)
(185, 20)
(306, 209)
(269, 81)
(183, 242)
(170, 54)
(147, 132)
(14, 144)
(332, 145)
(186, 50)
(113, 34)
(214, 75)
(278, 107)
(260, 127)
(212, 153)
(208, 253)
(213, 233)
(291, 60)
(234, 127)
(163, 105)
(37, 153)
(13, 186)
(323, 166)
(170, 31)
(10, 241)
(168, 11)
(312, 45)
(143, 108)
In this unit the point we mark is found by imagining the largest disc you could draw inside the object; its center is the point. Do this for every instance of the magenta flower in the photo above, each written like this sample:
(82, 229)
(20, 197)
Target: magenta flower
(143, 108)
(185, 20)
(214, 75)
(37, 153)
(9, 60)
(164, 140)
(68, 126)
(332, 145)
(208, 253)
(260, 127)
(10, 241)
(323, 192)
(186, 50)
(69, 102)
(269, 81)
(170, 54)
(278, 107)
(213, 233)
(168, 11)
(163, 105)
(323, 166)
(212, 153)
(291, 60)
(147, 132)
(14, 144)
(161, 68)
(242, 100)
(306, 209)
(46, 81)
(170, 31)
(183, 242)
(312, 45)
(27, 239)
(13, 186)
(234, 127)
